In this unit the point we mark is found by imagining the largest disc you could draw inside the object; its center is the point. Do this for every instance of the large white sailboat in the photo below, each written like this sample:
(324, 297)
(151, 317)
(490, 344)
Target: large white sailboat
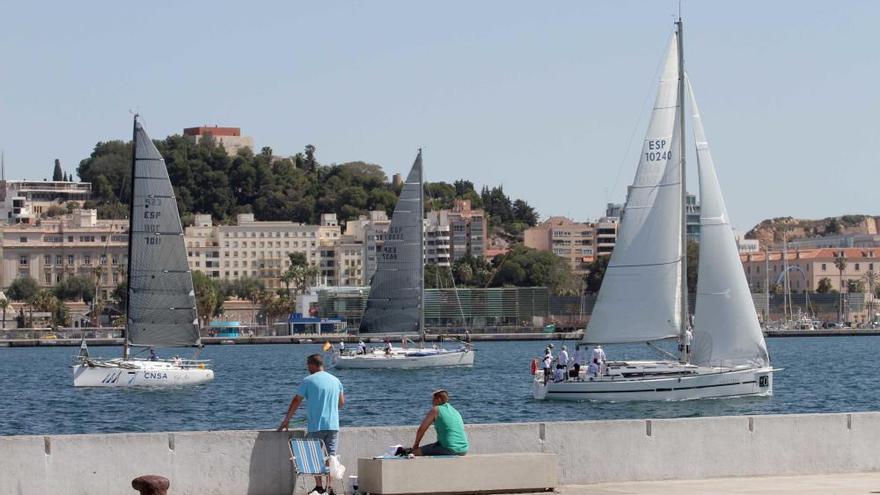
(397, 292)
(643, 297)
(161, 301)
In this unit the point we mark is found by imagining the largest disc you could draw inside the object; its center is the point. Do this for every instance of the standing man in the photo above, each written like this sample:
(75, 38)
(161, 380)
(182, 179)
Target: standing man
(562, 362)
(688, 340)
(546, 365)
(324, 396)
(451, 438)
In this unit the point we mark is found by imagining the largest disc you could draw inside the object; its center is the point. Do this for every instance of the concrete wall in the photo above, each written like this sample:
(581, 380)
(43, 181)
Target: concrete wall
(254, 462)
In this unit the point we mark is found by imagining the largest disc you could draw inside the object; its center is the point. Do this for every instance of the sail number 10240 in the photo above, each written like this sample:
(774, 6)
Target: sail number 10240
(657, 150)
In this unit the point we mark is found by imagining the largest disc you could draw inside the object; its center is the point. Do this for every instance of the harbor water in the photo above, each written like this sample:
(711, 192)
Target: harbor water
(254, 384)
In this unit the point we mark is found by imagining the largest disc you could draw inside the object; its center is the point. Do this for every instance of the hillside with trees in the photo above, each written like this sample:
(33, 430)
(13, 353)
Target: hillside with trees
(208, 180)
(773, 230)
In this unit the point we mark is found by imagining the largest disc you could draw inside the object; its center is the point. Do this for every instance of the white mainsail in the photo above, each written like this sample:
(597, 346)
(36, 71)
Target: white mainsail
(726, 329)
(640, 298)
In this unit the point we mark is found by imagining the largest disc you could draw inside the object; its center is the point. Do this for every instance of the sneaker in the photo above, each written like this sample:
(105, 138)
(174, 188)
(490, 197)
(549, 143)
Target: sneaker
(318, 490)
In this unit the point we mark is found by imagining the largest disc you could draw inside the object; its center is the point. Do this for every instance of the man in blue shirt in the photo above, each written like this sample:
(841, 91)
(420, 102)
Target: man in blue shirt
(324, 396)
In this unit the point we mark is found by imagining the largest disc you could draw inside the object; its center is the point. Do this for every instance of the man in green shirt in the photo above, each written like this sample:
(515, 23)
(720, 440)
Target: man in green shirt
(451, 438)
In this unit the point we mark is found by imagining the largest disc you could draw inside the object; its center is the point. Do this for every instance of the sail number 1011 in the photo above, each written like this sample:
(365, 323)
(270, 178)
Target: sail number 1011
(657, 150)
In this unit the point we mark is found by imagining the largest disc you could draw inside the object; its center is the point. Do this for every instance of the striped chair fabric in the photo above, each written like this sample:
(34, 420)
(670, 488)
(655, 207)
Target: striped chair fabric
(308, 456)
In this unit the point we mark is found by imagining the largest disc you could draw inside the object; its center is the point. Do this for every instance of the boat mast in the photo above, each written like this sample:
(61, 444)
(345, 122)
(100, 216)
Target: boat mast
(126, 348)
(683, 186)
(421, 248)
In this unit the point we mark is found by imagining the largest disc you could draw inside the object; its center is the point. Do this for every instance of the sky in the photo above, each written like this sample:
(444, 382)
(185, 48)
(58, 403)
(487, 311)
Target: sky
(549, 99)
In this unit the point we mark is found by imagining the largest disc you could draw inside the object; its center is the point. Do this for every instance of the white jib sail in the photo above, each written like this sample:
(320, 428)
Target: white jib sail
(726, 329)
(640, 296)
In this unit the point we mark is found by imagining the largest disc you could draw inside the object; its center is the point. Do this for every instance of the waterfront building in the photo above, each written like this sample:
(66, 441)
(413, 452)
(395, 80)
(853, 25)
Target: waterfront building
(578, 243)
(807, 267)
(76, 244)
(229, 138)
(260, 249)
(24, 201)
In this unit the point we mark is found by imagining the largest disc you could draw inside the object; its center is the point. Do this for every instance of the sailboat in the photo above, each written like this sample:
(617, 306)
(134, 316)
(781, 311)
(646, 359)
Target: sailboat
(161, 300)
(644, 297)
(397, 292)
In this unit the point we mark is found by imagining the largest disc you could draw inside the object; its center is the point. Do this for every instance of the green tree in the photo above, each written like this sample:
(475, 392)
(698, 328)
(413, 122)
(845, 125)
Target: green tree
(4, 305)
(75, 289)
(524, 213)
(855, 286)
(840, 264)
(209, 301)
(595, 273)
(526, 267)
(250, 289)
(57, 174)
(22, 289)
(299, 274)
(824, 286)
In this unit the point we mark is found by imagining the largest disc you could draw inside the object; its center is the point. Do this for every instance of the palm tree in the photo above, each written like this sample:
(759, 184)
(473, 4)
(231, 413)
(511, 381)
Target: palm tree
(4, 305)
(840, 263)
(872, 280)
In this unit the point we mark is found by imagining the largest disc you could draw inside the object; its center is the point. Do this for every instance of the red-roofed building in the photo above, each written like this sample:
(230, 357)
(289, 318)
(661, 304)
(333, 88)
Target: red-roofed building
(229, 138)
(809, 266)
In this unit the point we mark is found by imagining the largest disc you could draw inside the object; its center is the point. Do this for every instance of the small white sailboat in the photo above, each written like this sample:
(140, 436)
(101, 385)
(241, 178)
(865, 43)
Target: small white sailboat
(161, 300)
(643, 297)
(397, 292)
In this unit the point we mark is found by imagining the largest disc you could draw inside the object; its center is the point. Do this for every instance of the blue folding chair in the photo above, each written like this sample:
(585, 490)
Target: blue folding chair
(309, 458)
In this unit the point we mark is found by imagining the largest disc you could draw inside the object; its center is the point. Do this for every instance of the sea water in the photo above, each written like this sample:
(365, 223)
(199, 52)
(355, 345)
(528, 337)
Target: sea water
(253, 386)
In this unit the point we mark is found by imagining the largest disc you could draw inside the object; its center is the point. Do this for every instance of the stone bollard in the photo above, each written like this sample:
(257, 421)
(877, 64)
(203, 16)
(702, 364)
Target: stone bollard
(151, 484)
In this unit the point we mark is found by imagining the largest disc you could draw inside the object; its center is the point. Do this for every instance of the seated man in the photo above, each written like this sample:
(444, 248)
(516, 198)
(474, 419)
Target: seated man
(451, 438)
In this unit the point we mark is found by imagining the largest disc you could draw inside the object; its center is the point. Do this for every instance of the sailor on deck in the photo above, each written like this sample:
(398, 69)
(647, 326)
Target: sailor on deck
(599, 357)
(562, 364)
(362, 347)
(547, 364)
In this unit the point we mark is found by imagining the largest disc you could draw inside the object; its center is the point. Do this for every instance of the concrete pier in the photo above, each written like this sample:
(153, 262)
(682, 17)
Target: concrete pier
(597, 453)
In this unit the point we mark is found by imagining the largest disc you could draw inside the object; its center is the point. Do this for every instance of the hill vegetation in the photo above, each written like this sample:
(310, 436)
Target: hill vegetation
(208, 180)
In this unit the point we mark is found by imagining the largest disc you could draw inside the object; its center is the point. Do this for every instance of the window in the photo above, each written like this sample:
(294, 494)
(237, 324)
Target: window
(22, 261)
(114, 260)
(22, 239)
(47, 260)
(823, 267)
(70, 259)
(857, 267)
(47, 277)
(59, 260)
(103, 260)
(87, 259)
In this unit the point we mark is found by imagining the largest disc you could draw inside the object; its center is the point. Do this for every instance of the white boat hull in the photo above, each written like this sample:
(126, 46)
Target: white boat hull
(139, 373)
(402, 359)
(683, 382)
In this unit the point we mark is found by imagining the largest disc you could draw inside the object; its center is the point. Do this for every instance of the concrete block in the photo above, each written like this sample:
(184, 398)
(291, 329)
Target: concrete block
(481, 473)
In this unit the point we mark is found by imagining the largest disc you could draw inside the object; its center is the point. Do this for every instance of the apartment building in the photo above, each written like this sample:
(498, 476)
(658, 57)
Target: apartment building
(452, 234)
(260, 249)
(76, 244)
(24, 201)
(578, 243)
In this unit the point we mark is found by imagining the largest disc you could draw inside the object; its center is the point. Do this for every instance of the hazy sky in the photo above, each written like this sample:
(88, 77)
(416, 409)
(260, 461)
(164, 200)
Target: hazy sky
(543, 97)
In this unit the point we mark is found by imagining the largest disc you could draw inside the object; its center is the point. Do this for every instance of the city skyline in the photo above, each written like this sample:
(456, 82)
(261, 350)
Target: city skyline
(549, 101)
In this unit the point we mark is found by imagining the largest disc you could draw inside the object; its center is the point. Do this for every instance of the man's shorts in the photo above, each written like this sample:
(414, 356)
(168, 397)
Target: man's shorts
(329, 437)
(437, 449)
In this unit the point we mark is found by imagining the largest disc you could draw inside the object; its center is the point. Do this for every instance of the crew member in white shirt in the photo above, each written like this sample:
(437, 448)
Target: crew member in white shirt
(599, 357)
(688, 340)
(547, 365)
(562, 363)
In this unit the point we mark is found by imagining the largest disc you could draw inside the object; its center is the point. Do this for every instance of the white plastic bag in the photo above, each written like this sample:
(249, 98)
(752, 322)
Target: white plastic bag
(337, 470)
